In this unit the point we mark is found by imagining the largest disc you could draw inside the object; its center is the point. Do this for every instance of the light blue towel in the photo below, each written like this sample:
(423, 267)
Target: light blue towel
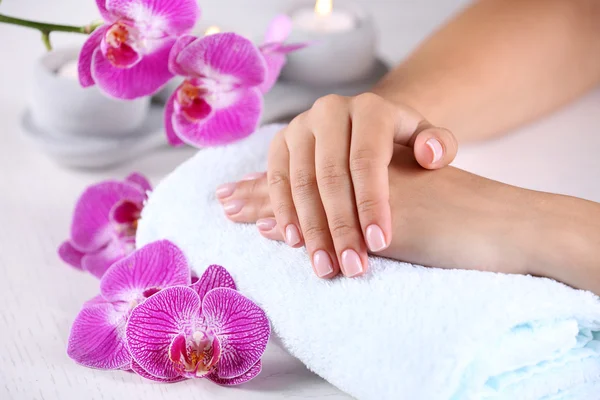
(400, 332)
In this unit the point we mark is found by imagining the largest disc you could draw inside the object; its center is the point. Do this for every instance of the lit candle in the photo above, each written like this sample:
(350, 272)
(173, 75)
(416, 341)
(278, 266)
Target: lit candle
(342, 44)
(324, 18)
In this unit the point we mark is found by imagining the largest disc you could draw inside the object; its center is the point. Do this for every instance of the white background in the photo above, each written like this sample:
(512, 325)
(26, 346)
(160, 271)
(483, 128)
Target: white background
(39, 296)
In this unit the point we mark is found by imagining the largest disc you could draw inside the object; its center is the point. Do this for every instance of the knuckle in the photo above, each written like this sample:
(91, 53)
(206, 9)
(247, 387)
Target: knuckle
(284, 210)
(303, 181)
(365, 100)
(332, 175)
(340, 227)
(368, 206)
(328, 102)
(277, 179)
(362, 160)
(314, 231)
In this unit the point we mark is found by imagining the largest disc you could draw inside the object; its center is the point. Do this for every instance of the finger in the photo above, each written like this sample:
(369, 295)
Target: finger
(435, 148)
(267, 227)
(374, 126)
(248, 200)
(330, 121)
(280, 191)
(305, 192)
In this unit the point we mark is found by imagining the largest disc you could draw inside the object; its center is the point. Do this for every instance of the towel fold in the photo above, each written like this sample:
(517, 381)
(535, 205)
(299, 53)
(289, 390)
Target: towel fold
(399, 332)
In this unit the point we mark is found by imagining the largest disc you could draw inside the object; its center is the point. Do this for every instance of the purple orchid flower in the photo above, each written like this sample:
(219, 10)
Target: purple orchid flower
(97, 338)
(275, 51)
(219, 102)
(207, 330)
(104, 224)
(127, 57)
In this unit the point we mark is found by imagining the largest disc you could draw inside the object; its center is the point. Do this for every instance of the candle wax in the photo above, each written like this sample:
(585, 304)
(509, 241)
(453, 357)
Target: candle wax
(307, 19)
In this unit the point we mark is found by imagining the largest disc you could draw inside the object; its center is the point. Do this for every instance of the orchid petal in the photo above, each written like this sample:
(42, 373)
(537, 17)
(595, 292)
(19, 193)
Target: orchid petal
(89, 230)
(70, 255)
(155, 323)
(214, 277)
(232, 122)
(143, 79)
(238, 380)
(173, 17)
(289, 48)
(125, 212)
(153, 267)
(224, 57)
(99, 262)
(94, 301)
(97, 338)
(140, 180)
(172, 137)
(241, 326)
(181, 43)
(144, 374)
(84, 66)
(104, 13)
(279, 29)
(275, 63)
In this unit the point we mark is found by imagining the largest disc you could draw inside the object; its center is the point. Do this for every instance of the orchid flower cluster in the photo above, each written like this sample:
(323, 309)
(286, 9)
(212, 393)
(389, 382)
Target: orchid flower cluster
(152, 317)
(145, 43)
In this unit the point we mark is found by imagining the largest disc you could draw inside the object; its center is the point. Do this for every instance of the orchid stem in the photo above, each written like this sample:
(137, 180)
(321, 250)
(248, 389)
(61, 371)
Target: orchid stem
(47, 29)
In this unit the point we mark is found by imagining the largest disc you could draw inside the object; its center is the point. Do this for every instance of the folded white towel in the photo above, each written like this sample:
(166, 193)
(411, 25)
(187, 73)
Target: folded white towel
(401, 331)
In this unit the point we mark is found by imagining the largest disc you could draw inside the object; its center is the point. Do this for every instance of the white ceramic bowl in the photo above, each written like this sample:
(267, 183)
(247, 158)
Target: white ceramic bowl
(59, 105)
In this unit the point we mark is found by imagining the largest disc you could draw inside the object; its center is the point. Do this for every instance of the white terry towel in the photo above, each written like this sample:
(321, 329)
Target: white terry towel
(401, 331)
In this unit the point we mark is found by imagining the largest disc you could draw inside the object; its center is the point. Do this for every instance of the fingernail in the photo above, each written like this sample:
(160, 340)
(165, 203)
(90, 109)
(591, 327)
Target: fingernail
(252, 176)
(233, 207)
(266, 224)
(225, 190)
(436, 149)
(292, 235)
(322, 263)
(351, 263)
(375, 238)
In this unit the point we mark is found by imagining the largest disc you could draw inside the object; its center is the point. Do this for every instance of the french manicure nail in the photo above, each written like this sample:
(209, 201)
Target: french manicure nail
(322, 263)
(225, 190)
(375, 238)
(233, 207)
(253, 176)
(436, 149)
(292, 235)
(266, 224)
(351, 264)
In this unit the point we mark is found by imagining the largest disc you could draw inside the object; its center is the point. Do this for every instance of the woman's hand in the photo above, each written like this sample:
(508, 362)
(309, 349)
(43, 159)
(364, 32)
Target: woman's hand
(328, 178)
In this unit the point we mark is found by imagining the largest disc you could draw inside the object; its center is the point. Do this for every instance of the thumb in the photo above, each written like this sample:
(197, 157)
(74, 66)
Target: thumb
(434, 147)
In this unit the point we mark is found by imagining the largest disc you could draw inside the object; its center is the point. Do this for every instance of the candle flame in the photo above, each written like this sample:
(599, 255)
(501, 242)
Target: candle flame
(323, 7)
(212, 30)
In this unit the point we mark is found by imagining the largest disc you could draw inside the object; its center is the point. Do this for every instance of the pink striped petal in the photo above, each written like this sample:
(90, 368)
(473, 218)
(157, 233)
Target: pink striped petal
(99, 262)
(104, 13)
(275, 63)
(245, 377)
(140, 180)
(155, 323)
(232, 122)
(97, 338)
(143, 79)
(181, 43)
(279, 29)
(144, 374)
(94, 301)
(214, 277)
(173, 17)
(242, 328)
(84, 67)
(226, 58)
(172, 137)
(153, 267)
(70, 255)
(90, 227)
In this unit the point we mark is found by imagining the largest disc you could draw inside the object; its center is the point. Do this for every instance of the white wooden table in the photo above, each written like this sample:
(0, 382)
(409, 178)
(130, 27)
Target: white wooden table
(39, 296)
